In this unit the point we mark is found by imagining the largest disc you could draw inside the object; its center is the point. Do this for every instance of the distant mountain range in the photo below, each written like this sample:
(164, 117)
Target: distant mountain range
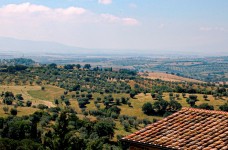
(28, 46)
(11, 46)
(18, 48)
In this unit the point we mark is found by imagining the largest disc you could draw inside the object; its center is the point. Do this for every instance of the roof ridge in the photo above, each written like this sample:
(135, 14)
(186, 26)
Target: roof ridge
(204, 110)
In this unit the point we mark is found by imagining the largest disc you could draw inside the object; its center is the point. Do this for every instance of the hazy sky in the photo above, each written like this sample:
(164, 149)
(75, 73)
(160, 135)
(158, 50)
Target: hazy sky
(120, 24)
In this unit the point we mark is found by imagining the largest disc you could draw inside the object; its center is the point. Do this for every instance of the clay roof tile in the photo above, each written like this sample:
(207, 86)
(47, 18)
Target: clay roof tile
(190, 128)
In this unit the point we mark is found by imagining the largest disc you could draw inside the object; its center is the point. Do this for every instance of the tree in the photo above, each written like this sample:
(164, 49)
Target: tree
(174, 105)
(132, 94)
(153, 95)
(1, 123)
(123, 100)
(53, 65)
(8, 94)
(69, 66)
(61, 137)
(177, 96)
(95, 144)
(129, 104)
(82, 101)
(65, 92)
(205, 97)
(193, 97)
(5, 109)
(115, 109)
(89, 96)
(42, 106)
(87, 66)
(76, 87)
(147, 108)
(206, 106)
(161, 106)
(19, 97)
(224, 107)
(56, 102)
(192, 100)
(67, 102)
(8, 100)
(104, 128)
(126, 125)
(85, 113)
(106, 103)
(13, 111)
(117, 101)
(78, 66)
(28, 103)
(25, 144)
(171, 94)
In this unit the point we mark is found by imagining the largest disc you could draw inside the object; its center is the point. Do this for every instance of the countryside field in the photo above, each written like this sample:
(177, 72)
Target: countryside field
(168, 77)
(34, 93)
(47, 96)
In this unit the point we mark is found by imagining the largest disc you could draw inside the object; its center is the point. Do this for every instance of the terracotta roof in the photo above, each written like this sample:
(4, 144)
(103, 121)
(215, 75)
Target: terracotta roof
(189, 129)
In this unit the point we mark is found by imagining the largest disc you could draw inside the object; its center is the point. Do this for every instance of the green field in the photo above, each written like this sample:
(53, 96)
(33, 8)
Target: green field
(32, 93)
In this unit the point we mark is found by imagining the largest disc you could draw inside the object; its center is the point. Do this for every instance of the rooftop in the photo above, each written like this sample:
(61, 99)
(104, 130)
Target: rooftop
(188, 128)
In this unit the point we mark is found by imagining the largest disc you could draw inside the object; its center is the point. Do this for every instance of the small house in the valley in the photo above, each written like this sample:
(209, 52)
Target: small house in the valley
(188, 129)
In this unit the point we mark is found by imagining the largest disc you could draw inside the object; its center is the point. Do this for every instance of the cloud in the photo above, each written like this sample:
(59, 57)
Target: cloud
(130, 21)
(124, 21)
(207, 29)
(24, 7)
(39, 10)
(72, 25)
(71, 11)
(105, 2)
(29, 12)
(111, 18)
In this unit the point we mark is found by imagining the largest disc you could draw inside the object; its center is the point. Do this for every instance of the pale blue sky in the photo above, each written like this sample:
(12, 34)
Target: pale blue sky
(120, 24)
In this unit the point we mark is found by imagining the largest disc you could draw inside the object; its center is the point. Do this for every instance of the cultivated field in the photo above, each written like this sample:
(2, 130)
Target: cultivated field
(32, 93)
(167, 77)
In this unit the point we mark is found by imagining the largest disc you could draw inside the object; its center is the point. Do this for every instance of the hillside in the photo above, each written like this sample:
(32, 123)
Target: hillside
(104, 104)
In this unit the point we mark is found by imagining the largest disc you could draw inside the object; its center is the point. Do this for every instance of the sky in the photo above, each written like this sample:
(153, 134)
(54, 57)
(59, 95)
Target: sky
(181, 25)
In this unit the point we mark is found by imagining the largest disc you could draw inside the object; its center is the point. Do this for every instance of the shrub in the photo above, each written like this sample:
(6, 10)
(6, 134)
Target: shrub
(28, 103)
(13, 111)
(147, 108)
(132, 94)
(19, 97)
(42, 106)
(224, 107)
(20, 103)
(8, 100)
(129, 104)
(5, 109)
(126, 126)
(206, 106)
